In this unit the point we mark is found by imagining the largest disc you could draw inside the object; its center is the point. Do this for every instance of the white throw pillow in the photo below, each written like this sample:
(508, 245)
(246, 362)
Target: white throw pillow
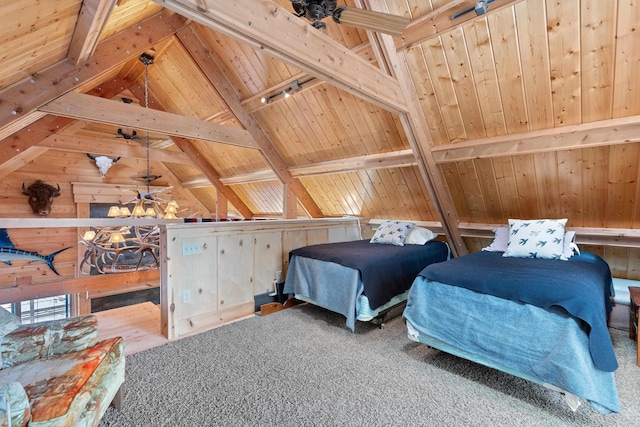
(536, 238)
(392, 232)
(419, 236)
(567, 252)
(500, 240)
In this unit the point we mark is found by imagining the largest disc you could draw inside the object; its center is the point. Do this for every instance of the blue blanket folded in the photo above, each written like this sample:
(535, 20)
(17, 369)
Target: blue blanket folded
(582, 286)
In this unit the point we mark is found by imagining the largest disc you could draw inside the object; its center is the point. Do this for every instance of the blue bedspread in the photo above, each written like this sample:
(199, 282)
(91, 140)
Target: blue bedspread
(386, 270)
(582, 286)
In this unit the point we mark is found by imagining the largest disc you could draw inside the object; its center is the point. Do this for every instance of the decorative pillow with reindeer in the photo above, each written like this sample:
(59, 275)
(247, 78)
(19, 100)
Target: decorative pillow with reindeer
(536, 238)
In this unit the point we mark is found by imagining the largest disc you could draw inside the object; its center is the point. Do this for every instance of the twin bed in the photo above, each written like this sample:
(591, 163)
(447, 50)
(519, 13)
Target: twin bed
(540, 316)
(358, 279)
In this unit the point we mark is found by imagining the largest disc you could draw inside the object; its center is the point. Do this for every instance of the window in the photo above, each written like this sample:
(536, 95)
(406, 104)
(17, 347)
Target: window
(41, 309)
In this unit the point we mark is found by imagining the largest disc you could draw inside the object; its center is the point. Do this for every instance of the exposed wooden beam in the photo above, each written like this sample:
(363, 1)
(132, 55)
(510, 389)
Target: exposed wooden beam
(434, 24)
(393, 159)
(22, 147)
(290, 203)
(204, 58)
(222, 206)
(593, 134)
(23, 97)
(111, 148)
(213, 176)
(254, 103)
(270, 28)
(91, 108)
(199, 160)
(195, 204)
(249, 178)
(419, 136)
(91, 20)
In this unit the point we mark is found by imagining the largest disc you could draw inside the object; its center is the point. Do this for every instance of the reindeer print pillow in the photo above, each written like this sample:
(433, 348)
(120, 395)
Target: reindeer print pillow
(392, 232)
(536, 238)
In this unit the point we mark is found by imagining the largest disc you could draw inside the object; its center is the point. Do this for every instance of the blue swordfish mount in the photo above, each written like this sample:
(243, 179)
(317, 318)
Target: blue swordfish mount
(9, 252)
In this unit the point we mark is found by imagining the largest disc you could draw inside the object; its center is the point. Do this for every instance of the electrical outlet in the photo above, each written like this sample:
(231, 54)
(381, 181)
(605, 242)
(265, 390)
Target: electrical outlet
(186, 295)
(190, 249)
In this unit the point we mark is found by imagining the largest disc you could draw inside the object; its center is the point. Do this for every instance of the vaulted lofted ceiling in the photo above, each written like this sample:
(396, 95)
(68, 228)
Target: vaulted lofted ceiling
(527, 111)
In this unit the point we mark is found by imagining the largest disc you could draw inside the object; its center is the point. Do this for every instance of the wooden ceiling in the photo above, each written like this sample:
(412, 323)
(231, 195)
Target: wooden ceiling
(530, 110)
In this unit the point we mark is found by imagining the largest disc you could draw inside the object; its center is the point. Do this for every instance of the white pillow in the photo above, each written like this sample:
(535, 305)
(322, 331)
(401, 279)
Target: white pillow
(419, 236)
(392, 232)
(567, 252)
(500, 240)
(542, 238)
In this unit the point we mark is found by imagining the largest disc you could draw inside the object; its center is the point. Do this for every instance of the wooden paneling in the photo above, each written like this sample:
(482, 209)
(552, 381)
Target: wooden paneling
(34, 36)
(532, 65)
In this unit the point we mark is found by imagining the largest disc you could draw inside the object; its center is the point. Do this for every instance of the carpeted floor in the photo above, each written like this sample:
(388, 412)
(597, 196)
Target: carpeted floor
(302, 367)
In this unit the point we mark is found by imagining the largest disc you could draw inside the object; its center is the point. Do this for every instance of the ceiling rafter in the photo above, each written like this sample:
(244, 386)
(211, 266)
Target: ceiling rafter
(91, 20)
(108, 147)
(24, 97)
(439, 21)
(254, 103)
(393, 159)
(419, 136)
(203, 58)
(100, 110)
(593, 134)
(173, 180)
(270, 28)
(198, 159)
(20, 147)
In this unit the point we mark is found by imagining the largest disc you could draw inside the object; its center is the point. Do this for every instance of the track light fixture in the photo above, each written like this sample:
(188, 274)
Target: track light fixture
(295, 86)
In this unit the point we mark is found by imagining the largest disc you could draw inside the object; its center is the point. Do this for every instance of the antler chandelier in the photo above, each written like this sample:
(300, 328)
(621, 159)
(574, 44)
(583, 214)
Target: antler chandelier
(117, 249)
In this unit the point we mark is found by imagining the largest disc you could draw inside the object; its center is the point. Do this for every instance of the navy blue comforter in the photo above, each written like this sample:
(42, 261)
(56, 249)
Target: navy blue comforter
(582, 286)
(386, 270)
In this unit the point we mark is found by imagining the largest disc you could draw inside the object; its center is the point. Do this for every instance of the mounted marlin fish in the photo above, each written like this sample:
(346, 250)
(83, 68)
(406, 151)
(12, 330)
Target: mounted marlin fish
(8, 253)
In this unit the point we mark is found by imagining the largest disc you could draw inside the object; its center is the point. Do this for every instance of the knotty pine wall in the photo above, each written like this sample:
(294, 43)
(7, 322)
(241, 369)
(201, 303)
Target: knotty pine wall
(63, 168)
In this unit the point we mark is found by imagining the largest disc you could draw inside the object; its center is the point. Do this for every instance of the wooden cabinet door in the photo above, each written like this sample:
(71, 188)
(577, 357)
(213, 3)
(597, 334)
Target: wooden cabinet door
(235, 270)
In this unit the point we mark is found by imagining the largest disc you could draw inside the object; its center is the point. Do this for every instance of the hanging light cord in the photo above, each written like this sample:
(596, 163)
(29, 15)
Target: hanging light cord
(146, 105)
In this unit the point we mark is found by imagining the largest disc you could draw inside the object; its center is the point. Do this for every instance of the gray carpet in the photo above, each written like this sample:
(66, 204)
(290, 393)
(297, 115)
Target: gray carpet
(302, 367)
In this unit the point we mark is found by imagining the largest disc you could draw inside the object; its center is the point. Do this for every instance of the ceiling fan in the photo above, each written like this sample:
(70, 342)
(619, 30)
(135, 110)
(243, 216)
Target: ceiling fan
(316, 10)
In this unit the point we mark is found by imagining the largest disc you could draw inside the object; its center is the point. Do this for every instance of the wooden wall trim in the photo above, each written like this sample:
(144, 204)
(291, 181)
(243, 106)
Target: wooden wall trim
(615, 237)
(86, 286)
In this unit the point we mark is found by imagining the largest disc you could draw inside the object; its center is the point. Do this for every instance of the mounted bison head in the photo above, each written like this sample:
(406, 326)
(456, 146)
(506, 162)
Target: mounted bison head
(103, 163)
(41, 196)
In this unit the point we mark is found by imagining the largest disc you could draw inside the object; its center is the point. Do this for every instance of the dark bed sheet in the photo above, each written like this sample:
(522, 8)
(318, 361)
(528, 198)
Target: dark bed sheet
(582, 286)
(386, 270)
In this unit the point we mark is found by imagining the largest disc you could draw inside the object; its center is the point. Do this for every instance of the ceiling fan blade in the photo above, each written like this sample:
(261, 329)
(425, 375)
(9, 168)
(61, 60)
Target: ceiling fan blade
(370, 20)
